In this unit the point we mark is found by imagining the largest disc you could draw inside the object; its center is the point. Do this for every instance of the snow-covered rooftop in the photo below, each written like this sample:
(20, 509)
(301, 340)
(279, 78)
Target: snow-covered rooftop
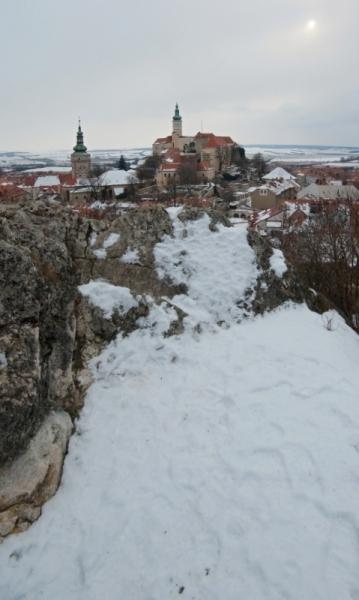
(117, 177)
(47, 181)
(331, 192)
(279, 173)
(292, 207)
(269, 213)
(276, 186)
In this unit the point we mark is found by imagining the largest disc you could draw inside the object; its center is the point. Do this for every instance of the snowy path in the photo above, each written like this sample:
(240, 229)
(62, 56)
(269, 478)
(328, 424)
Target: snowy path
(216, 267)
(215, 466)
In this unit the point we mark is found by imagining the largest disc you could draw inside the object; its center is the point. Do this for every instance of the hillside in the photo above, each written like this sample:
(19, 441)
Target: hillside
(217, 453)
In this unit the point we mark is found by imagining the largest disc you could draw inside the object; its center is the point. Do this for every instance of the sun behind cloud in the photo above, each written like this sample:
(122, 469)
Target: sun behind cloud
(311, 25)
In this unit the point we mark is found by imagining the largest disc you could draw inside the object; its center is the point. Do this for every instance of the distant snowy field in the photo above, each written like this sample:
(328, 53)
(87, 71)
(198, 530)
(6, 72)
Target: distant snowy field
(289, 154)
(307, 154)
(42, 161)
(220, 464)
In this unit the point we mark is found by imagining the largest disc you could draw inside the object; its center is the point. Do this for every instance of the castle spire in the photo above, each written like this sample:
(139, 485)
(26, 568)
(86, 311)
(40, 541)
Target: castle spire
(177, 122)
(80, 146)
(80, 158)
(177, 115)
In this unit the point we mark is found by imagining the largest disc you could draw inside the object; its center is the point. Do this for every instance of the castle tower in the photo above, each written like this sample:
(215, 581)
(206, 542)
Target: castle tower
(177, 123)
(80, 158)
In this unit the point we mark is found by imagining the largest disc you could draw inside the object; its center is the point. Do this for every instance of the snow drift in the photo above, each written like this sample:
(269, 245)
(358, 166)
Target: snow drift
(219, 463)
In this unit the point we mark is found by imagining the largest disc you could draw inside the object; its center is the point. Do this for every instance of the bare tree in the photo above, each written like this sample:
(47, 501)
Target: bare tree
(147, 170)
(326, 256)
(188, 173)
(259, 164)
(97, 170)
(238, 156)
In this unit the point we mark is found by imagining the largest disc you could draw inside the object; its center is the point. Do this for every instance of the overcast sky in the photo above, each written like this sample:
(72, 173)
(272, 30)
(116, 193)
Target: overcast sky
(252, 69)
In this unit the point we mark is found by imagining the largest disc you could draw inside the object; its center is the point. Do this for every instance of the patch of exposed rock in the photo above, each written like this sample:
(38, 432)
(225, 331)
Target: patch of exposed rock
(271, 291)
(217, 217)
(34, 476)
(37, 325)
(138, 231)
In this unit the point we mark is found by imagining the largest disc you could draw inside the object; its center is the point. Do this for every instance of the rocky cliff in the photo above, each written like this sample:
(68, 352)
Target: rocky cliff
(49, 332)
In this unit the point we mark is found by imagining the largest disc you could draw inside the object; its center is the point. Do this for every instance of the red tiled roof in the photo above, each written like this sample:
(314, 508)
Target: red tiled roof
(164, 140)
(10, 187)
(171, 166)
(203, 165)
(203, 135)
(266, 214)
(19, 178)
(211, 144)
(11, 192)
(214, 141)
(298, 201)
(224, 139)
(172, 153)
(67, 179)
(297, 214)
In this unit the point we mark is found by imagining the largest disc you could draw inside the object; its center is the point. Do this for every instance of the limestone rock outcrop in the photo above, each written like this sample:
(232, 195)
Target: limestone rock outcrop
(48, 331)
(34, 476)
(37, 326)
(45, 254)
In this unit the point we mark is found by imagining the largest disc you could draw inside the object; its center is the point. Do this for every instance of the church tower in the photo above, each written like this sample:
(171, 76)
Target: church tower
(80, 158)
(177, 123)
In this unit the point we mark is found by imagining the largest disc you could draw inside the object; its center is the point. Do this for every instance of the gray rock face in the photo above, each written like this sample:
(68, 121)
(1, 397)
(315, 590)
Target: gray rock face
(37, 326)
(48, 332)
(34, 476)
(46, 329)
(271, 291)
(216, 216)
(139, 231)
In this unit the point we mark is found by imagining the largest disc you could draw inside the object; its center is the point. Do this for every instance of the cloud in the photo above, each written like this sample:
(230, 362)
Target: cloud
(251, 70)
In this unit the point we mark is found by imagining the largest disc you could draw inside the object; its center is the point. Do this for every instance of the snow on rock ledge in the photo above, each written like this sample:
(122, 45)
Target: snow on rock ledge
(108, 297)
(130, 257)
(111, 240)
(277, 262)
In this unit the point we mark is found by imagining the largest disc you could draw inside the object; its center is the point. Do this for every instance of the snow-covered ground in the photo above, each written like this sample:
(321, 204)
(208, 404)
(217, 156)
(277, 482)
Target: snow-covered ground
(61, 158)
(56, 169)
(295, 154)
(219, 464)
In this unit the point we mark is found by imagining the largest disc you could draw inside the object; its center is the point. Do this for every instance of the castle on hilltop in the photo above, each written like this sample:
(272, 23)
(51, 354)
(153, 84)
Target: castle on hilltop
(206, 153)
